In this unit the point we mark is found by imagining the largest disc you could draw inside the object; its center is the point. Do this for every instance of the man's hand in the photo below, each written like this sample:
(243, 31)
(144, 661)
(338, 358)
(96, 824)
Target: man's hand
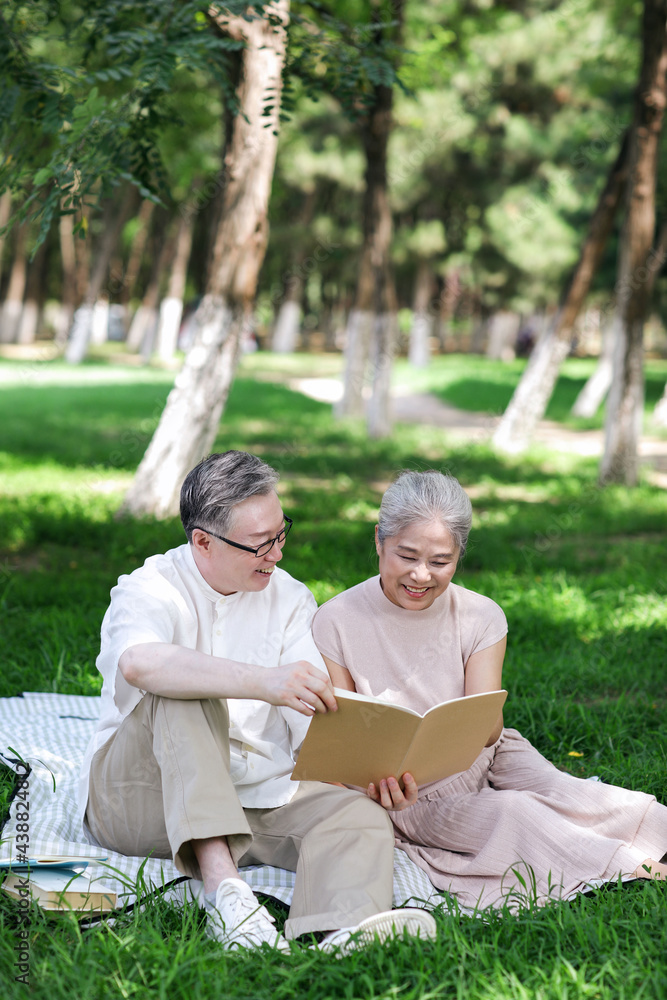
(300, 686)
(389, 794)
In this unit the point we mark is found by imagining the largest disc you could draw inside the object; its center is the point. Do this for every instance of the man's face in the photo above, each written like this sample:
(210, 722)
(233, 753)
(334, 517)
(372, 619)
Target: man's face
(228, 569)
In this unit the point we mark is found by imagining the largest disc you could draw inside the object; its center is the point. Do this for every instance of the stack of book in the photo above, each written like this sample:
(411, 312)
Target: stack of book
(58, 884)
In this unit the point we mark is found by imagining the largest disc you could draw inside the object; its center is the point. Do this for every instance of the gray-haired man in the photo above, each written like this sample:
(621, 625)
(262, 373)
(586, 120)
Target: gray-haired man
(210, 679)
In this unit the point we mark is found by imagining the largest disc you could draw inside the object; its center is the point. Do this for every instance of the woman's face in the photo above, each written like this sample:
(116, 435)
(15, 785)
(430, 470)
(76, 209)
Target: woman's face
(417, 565)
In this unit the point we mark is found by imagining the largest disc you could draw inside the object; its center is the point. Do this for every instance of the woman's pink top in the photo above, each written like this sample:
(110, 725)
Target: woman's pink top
(411, 658)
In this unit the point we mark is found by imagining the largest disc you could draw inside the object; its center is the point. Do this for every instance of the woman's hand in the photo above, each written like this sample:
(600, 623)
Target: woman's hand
(389, 794)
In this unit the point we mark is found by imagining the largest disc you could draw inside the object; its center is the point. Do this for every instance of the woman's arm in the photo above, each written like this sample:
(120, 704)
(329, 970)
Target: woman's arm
(340, 676)
(484, 672)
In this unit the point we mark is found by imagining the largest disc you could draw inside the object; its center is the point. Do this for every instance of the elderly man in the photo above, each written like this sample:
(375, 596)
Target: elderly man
(210, 679)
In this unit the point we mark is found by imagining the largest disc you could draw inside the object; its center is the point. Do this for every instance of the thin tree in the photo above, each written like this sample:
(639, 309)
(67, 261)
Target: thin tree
(10, 314)
(285, 335)
(625, 404)
(33, 302)
(171, 307)
(140, 336)
(189, 422)
(597, 386)
(419, 352)
(115, 217)
(372, 326)
(135, 256)
(5, 212)
(531, 396)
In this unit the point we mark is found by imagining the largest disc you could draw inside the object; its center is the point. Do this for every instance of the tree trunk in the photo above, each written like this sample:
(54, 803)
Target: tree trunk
(144, 322)
(68, 295)
(288, 321)
(625, 405)
(171, 307)
(531, 396)
(99, 324)
(5, 212)
(419, 353)
(129, 278)
(34, 297)
(596, 388)
(115, 218)
(10, 315)
(373, 318)
(334, 323)
(503, 330)
(448, 302)
(189, 423)
(660, 411)
(285, 336)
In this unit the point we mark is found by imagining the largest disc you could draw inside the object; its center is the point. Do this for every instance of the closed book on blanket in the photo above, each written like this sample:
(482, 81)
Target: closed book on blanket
(368, 739)
(59, 889)
(22, 863)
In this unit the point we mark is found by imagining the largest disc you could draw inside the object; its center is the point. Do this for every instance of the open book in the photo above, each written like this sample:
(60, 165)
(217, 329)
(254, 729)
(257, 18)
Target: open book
(368, 739)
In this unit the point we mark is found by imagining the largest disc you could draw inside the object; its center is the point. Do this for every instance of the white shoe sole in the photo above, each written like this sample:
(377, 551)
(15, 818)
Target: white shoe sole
(382, 926)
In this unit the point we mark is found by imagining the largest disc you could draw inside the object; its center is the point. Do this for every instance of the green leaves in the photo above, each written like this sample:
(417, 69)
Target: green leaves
(339, 49)
(87, 92)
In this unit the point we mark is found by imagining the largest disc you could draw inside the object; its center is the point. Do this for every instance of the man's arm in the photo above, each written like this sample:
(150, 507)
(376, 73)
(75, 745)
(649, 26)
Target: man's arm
(173, 671)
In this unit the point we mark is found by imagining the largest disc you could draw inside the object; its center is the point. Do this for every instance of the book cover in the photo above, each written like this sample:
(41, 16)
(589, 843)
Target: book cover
(50, 861)
(368, 739)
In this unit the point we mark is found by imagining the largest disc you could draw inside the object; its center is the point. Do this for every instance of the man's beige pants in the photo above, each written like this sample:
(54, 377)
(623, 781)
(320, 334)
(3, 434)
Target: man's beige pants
(163, 780)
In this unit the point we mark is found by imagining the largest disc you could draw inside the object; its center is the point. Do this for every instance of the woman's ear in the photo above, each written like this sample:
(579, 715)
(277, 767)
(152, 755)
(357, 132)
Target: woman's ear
(378, 544)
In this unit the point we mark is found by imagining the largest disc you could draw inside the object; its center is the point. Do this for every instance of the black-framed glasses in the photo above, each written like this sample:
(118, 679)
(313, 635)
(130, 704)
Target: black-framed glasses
(262, 549)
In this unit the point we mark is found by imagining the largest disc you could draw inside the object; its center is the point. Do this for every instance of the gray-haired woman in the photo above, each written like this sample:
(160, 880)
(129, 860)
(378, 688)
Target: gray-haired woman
(512, 827)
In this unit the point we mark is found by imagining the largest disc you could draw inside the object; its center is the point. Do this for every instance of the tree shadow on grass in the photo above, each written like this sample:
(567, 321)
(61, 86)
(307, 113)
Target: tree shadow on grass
(487, 396)
(80, 425)
(108, 427)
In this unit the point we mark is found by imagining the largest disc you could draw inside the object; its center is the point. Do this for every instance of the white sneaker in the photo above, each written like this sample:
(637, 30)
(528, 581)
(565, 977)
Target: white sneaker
(237, 920)
(381, 926)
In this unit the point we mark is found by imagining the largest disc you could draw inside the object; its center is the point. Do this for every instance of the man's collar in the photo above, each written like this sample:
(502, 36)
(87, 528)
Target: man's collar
(206, 588)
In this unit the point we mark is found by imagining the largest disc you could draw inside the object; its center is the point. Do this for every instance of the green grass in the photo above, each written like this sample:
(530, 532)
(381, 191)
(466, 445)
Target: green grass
(581, 573)
(472, 383)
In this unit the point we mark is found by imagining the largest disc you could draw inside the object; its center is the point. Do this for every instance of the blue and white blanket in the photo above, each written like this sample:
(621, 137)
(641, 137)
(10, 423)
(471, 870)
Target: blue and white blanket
(50, 733)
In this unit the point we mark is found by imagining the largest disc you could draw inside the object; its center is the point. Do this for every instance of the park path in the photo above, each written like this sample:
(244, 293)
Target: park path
(425, 408)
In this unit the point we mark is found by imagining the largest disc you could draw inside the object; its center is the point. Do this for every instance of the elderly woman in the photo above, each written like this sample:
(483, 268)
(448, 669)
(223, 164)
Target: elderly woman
(511, 827)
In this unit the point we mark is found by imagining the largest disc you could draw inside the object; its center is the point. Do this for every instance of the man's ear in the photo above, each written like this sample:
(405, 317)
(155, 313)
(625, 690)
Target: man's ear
(201, 543)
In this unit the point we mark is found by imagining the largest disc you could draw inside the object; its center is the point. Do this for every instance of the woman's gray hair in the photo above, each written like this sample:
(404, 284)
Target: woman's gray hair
(426, 496)
(214, 487)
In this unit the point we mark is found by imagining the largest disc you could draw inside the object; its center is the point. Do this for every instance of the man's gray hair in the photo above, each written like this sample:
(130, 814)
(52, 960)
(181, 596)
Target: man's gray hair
(416, 497)
(213, 488)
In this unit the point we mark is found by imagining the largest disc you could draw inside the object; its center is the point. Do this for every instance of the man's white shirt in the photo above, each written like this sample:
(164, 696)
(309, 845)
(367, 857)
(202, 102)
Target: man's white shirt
(168, 600)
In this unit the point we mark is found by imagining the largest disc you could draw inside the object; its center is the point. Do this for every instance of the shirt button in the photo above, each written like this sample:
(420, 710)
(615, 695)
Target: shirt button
(218, 632)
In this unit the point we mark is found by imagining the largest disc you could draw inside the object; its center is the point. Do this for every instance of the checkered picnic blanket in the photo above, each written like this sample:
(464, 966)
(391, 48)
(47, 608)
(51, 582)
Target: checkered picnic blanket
(50, 732)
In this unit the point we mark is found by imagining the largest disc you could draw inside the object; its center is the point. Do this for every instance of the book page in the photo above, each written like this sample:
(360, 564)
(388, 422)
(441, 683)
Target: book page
(363, 741)
(62, 889)
(452, 736)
